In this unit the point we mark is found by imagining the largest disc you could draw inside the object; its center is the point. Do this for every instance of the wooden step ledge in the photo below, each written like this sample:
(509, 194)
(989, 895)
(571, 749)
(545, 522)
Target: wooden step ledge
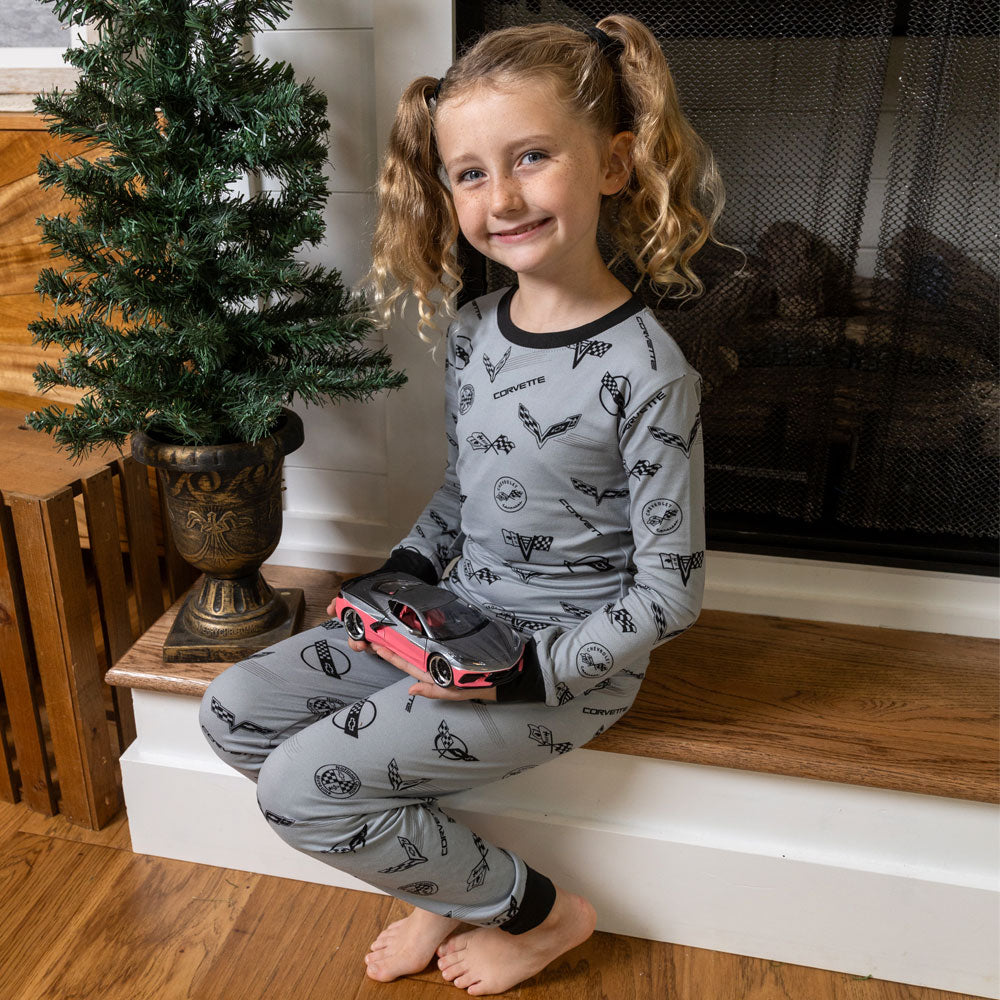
(888, 708)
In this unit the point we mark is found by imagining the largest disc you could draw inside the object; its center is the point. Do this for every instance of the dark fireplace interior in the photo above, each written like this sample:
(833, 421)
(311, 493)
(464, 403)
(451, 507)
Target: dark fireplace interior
(850, 361)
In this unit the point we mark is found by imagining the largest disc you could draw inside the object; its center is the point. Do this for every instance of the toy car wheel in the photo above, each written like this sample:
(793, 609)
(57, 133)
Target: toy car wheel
(440, 670)
(353, 624)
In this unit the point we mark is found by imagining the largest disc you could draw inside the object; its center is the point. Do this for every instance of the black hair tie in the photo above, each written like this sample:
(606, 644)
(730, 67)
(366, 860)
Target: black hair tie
(610, 47)
(437, 89)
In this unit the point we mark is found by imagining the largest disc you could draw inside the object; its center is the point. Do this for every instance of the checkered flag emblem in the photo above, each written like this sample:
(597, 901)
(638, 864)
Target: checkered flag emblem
(494, 370)
(572, 609)
(542, 735)
(397, 781)
(528, 543)
(684, 564)
(485, 575)
(675, 440)
(442, 524)
(643, 468)
(591, 491)
(592, 348)
(660, 619)
(478, 874)
(480, 442)
(610, 383)
(413, 857)
(221, 712)
(620, 617)
(559, 427)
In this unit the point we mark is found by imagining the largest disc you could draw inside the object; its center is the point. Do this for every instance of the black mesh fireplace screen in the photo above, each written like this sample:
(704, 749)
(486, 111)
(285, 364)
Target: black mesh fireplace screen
(851, 362)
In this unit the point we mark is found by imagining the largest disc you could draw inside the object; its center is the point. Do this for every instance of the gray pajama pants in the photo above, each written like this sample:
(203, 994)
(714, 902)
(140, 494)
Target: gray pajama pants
(351, 769)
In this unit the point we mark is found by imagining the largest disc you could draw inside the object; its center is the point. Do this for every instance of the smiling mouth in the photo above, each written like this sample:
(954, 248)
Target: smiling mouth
(522, 230)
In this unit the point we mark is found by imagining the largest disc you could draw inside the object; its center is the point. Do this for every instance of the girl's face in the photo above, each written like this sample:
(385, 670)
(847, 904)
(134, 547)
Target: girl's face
(527, 178)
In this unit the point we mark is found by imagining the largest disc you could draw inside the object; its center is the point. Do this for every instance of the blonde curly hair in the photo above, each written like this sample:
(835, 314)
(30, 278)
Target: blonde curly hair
(660, 219)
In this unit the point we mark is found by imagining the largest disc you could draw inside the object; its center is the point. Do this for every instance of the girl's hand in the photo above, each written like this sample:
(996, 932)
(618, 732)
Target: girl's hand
(424, 686)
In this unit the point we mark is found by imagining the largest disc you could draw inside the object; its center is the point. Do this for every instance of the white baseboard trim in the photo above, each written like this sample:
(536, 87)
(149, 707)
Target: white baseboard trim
(864, 881)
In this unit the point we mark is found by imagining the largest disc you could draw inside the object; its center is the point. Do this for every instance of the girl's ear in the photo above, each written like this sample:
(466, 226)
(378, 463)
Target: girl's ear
(618, 163)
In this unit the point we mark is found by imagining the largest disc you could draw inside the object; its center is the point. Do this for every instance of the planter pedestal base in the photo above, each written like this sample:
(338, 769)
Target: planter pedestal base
(183, 646)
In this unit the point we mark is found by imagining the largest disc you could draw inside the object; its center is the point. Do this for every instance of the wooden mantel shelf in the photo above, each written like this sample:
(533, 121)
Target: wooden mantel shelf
(887, 708)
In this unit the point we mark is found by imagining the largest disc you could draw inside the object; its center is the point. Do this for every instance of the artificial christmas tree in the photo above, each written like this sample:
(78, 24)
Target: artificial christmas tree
(195, 323)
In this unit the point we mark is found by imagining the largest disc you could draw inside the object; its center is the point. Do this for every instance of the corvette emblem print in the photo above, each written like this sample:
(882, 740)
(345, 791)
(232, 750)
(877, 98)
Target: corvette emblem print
(442, 524)
(662, 516)
(278, 820)
(527, 543)
(600, 564)
(620, 617)
(643, 468)
(413, 857)
(563, 693)
(221, 712)
(509, 494)
(616, 391)
(675, 440)
(330, 624)
(591, 491)
(492, 370)
(466, 397)
(542, 735)
(559, 427)
(337, 781)
(594, 660)
(320, 656)
(516, 621)
(420, 888)
(572, 609)
(501, 443)
(449, 746)
(524, 574)
(355, 717)
(684, 564)
(588, 348)
(325, 706)
(478, 874)
(463, 352)
(660, 620)
(397, 782)
(484, 574)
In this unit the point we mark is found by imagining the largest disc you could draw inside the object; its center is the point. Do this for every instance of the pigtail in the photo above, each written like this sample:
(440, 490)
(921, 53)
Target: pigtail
(414, 246)
(675, 194)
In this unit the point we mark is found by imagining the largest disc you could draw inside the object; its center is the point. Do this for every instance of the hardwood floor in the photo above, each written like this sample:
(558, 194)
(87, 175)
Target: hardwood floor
(81, 916)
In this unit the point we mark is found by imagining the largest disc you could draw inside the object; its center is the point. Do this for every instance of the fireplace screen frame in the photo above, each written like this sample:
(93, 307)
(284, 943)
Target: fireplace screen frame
(844, 511)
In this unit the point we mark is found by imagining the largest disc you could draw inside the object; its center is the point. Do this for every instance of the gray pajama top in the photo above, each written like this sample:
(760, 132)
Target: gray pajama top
(573, 492)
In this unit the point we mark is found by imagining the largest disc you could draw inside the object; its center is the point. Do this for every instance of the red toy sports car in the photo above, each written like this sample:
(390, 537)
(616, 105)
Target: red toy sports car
(431, 628)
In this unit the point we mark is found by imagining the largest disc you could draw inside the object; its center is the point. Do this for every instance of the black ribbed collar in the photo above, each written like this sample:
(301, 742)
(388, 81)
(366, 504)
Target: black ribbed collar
(561, 338)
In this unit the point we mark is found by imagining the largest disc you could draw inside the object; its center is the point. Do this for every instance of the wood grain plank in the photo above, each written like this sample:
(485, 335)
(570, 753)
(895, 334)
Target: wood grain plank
(9, 782)
(59, 609)
(16, 664)
(142, 540)
(290, 936)
(152, 929)
(105, 546)
(889, 708)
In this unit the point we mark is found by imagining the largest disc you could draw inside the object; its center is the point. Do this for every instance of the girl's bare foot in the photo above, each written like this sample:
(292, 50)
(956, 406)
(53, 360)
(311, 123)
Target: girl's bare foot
(487, 960)
(406, 946)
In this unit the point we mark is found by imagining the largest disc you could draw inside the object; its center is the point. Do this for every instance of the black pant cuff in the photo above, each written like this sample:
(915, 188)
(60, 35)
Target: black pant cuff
(536, 904)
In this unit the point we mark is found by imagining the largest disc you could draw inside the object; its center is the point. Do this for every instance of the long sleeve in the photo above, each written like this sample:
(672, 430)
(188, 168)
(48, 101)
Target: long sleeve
(661, 449)
(435, 534)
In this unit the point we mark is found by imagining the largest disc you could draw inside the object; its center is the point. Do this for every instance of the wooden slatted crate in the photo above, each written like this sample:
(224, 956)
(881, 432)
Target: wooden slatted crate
(54, 656)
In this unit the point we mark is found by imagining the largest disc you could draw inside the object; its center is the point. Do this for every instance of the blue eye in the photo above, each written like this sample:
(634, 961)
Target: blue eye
(466, 175)
(532, 153)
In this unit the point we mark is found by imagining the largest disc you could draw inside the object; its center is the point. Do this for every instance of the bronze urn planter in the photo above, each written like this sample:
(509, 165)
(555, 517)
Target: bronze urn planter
(224, 507)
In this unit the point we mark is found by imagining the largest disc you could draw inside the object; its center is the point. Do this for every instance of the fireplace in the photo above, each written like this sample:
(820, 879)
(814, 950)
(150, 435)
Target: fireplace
(850, 363)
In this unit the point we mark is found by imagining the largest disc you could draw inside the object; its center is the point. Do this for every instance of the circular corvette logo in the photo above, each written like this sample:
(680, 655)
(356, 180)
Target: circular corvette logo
(509, 494)
(594, 660)
(662, 516)
(337, 781)
(466, 398)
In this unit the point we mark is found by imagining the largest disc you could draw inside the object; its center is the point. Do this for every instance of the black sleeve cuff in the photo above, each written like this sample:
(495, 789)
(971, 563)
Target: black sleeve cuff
(529, 684)
(405, 560)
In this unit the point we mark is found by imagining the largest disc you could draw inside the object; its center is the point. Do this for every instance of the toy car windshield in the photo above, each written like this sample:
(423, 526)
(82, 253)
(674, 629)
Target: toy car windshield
(453, 620)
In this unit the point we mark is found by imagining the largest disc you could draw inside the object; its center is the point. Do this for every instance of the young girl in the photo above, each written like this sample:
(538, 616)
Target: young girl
(573, 493)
